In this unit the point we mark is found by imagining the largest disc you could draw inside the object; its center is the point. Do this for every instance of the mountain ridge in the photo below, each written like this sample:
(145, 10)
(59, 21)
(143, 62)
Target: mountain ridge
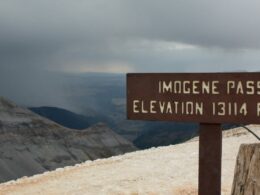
(31, 144)
(64, 117)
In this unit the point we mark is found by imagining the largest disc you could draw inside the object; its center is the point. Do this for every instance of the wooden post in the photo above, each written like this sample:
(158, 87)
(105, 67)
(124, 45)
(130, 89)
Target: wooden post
(210, 149)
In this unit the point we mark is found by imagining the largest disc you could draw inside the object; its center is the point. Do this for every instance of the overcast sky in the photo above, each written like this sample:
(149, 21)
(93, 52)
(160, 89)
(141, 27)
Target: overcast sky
(41, 37)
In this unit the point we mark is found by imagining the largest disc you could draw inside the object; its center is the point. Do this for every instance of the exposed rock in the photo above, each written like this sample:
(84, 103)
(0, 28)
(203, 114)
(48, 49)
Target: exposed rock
(31, 144)
(247, 172)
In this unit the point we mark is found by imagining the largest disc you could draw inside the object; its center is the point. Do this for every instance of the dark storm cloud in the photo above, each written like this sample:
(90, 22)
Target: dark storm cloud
(227, 24)
(92, 28)
(231, 24)
(38, 37)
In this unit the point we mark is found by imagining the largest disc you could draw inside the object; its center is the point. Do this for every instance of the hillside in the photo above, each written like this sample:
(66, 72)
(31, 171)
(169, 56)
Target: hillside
(163, 170)
(31, 144)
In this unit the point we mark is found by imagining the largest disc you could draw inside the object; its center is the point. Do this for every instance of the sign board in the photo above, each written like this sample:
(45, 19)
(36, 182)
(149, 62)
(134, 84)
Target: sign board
(197, 97)
(194, 97)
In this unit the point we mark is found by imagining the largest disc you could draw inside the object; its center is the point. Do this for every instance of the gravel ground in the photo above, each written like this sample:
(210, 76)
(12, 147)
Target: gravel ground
(163, 170)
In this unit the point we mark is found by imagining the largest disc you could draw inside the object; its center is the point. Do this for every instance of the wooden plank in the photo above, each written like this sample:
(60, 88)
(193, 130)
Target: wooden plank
(194, 97)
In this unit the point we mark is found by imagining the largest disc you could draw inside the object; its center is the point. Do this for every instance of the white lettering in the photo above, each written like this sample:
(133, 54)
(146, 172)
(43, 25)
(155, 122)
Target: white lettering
(199, 108)
(189, 108)
(214, 87)
(160, 89)
(205, 87)
(167, 88)
(169, 108)
(152, 106)
(135, 106)
(186, 90)
(230, 84)
(161, 105)
(243, 109)
(258, 109)
(240, 88)
(258, 87)
(195, 87)
(143, 110)
(250, 86)
(177, 87)
(222, 108)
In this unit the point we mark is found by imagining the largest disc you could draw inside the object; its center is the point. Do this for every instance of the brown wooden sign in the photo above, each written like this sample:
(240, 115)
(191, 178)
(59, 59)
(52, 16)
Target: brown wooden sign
(197, 97)
(194, 97)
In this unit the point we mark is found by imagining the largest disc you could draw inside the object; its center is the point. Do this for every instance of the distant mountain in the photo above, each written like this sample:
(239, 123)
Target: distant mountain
(64, 117)
(31, 144)
(102, 98)
(165, 133)
(169, 133)
(153, 133)
(105, 94)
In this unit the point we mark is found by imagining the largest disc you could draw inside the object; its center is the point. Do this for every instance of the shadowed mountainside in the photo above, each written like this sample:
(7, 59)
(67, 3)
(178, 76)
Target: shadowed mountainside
(31, 144)
(64, 117)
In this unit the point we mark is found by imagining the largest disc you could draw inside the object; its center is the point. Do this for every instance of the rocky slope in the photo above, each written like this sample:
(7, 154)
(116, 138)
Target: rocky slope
(163, 170)
(31, 144)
